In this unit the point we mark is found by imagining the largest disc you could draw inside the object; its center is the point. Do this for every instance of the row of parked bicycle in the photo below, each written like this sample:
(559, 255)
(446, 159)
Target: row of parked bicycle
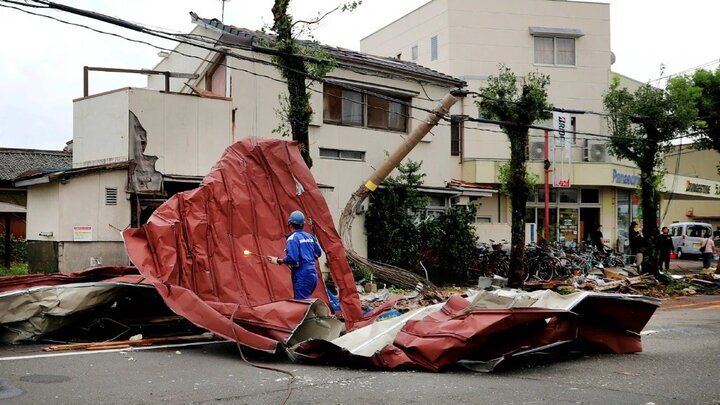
(543, 262)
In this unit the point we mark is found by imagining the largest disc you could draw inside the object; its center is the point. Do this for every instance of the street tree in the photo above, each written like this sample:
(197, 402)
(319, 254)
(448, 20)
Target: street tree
(642, 125)
(707, 101)
(299, 63)
(517, 104)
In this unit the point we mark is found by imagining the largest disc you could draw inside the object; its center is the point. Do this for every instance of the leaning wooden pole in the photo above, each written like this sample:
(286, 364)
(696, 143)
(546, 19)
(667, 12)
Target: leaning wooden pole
(400, 277)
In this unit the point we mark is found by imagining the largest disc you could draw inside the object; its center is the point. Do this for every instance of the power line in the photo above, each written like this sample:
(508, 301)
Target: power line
(692, 69)
(173, 37)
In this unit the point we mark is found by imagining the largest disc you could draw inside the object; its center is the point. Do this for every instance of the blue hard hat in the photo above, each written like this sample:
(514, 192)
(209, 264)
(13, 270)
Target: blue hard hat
(296, 218)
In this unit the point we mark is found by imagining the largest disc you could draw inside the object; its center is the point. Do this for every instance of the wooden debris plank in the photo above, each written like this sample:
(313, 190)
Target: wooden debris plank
(128, 343)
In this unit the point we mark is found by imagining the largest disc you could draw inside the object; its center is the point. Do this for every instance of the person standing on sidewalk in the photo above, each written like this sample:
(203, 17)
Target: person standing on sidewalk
(637, 242)
(707, 248)
(664, 245)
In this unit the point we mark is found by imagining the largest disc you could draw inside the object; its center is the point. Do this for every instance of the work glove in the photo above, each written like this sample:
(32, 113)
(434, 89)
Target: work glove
(273, 260)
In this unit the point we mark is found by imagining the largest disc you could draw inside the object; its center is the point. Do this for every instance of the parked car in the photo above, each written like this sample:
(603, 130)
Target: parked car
(687, 237)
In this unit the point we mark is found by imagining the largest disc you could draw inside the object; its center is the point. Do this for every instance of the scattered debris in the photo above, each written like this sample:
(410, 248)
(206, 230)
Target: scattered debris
(189, 253)
(119, 344)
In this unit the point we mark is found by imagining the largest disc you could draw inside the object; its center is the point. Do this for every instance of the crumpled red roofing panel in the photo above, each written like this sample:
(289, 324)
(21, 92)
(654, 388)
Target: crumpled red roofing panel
(119, 274)
(192, 248)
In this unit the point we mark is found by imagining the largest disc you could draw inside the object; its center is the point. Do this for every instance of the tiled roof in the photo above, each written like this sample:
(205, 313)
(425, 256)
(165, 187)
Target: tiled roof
(244, 36)
(14, 162)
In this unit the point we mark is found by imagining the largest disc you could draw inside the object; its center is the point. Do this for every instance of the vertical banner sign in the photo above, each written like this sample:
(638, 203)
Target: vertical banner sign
(562, 150)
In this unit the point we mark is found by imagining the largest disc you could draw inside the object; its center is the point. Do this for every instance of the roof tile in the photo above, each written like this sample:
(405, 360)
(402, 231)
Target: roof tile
(14, 162)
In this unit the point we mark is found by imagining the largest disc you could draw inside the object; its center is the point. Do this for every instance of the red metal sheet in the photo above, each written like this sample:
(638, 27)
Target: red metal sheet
(459, 332)
(192, 248)
(110, 274)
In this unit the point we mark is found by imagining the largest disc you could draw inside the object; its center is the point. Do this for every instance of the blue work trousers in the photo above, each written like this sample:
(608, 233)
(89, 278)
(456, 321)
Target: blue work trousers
(304, 280)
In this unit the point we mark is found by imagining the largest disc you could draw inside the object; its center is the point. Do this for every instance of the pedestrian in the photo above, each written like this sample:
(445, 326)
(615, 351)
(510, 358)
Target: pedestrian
(596, 239)
(637, 242)
(707, 248)
(301, 250)
(716, 236)
(664, 245)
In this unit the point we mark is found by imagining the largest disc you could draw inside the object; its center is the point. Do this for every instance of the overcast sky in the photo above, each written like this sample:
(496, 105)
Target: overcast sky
(42, 60)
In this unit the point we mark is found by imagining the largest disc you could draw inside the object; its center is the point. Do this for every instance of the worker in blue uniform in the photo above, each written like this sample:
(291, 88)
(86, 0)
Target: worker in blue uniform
(301, 250)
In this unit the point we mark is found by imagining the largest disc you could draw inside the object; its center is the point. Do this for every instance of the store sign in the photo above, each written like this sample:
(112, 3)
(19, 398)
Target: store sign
(82, 233)
(697, 188)
(562, 150)
(623, 178)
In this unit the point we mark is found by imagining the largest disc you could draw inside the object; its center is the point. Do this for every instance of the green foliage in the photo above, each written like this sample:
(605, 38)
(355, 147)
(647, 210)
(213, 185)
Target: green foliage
(360, 272)
(519, 105)
(642, 125)
(450, 245)
(16, 269)
(299, 63)
(706, 92)
(18, 248)
(400, 236)
(675, 287)
(531, 179)
(390, 222)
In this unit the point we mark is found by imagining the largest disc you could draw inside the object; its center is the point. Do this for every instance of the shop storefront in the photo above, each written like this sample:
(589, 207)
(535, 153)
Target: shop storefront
(574, 212)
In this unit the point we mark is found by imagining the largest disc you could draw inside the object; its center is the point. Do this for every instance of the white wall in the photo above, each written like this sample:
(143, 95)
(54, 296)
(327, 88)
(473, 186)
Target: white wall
(43, 212)
(82, 202)
(100, 129)
(187, 133)
(57, 207)
(476, 35)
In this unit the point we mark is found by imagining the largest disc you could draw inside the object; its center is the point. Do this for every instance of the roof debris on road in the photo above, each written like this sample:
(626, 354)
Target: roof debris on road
(190, 254)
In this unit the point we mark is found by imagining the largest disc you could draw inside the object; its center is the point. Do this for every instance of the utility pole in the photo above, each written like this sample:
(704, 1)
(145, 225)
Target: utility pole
(546, 219)
(222, 14)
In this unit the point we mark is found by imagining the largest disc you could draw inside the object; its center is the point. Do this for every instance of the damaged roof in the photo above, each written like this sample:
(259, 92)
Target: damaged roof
(347, 58)
(14, 162)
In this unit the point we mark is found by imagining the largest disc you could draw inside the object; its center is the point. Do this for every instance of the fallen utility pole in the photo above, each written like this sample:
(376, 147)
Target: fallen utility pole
(395, 275)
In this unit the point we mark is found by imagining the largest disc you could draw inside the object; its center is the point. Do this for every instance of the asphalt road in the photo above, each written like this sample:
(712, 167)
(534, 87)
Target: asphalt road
(680, 365)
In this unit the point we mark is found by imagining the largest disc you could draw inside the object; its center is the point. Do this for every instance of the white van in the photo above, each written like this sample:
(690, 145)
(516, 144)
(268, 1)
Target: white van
(687, 237)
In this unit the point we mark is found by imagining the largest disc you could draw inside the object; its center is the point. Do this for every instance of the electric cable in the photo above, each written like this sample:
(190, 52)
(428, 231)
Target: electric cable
(125, 24)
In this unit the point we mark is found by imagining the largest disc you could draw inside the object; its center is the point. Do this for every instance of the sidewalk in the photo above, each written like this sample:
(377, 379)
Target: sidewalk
(686, 266)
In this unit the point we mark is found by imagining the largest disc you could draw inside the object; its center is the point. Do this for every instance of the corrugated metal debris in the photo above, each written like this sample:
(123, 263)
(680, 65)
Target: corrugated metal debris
(193, 251)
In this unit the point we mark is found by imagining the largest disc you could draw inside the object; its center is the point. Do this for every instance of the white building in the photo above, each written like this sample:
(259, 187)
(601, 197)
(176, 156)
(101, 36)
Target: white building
(570, 42)
(133, 148)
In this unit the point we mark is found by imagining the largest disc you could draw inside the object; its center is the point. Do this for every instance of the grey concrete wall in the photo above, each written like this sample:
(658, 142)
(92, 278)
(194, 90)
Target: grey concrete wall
(42, 256)
(75, 256)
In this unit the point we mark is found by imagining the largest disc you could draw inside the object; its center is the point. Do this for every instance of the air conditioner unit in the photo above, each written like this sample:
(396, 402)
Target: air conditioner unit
(537, 150)
(596, 151)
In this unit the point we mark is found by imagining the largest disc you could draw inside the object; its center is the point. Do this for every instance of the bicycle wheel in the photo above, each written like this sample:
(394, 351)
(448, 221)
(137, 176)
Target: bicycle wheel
(545, 271)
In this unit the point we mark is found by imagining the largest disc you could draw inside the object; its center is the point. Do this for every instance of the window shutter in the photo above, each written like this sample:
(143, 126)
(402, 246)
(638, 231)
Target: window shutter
(111, 195)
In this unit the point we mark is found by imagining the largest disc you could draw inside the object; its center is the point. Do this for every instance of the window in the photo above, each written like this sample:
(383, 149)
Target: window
(434, 48)
(437, 205)
(414, 53)
(590, 196)
(568, 195)
(342, 154)
(456, 128)
(348, 107)
(555, 51)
